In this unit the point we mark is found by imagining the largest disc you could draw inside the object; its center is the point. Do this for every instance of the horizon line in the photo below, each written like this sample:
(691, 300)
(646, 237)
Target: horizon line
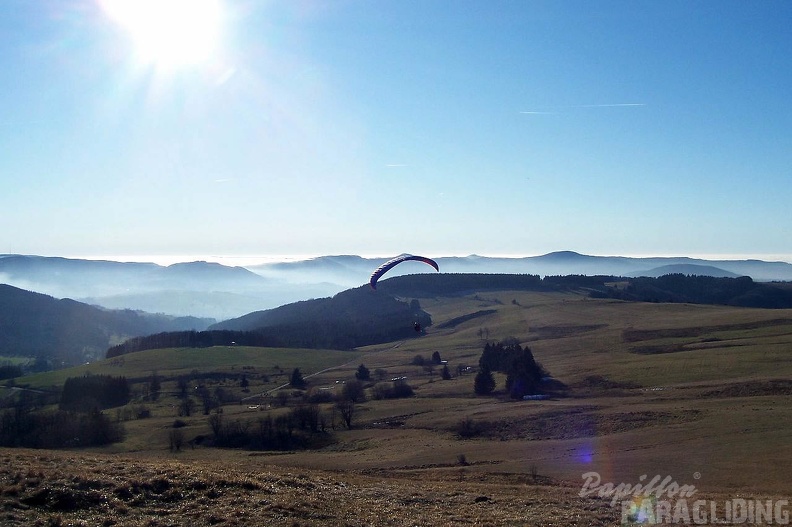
(243, 260)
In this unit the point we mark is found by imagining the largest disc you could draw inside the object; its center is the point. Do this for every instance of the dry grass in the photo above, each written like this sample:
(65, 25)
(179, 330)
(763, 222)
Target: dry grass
(718, 406)
(47, 488)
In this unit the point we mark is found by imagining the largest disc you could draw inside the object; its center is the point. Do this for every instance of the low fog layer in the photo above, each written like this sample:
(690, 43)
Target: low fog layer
(221, 292)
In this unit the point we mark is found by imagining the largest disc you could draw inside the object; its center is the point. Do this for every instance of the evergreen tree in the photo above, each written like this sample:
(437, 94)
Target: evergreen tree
(362, 373)
(297, 380)
(523, 375)
(484, 382)
(155, 386)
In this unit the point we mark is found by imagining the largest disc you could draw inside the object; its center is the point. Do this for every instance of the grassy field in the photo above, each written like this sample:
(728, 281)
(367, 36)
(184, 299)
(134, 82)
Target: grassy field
(174, 362)
(15, 360)
(698, 393)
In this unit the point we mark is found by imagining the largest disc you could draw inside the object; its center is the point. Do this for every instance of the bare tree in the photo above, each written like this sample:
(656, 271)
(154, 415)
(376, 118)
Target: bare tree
(353, 391)
(347, 410)
(186, 407)
(216, 423)
(176, 437)
(182, 385)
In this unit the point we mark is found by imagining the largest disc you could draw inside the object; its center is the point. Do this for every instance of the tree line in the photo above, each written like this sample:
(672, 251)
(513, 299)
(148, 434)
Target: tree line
(94, 392)
(677, 287)
(319, 334)
(77, 422)
(58, 429)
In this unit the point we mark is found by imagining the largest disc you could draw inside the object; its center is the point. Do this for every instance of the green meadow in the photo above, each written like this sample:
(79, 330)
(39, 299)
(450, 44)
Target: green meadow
(175, 362)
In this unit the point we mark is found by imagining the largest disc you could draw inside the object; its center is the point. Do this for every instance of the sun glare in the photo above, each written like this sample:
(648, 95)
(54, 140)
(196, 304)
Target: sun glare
(169, 33)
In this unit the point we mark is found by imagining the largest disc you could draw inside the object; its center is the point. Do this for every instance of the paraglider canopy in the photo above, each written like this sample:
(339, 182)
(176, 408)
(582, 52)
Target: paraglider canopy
(384, 268)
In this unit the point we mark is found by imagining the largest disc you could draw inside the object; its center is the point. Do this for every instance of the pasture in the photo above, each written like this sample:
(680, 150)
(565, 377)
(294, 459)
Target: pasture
(698, 393)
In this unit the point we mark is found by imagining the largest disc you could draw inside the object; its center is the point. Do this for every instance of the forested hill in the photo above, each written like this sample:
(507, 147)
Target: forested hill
(742, 291)
(453, 284)
(361, 316)
(352, 318)
(677, 287)
(356, 317)
(66, 332)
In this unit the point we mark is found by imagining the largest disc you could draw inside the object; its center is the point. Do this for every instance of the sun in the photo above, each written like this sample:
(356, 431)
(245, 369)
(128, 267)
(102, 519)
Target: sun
(169, 33)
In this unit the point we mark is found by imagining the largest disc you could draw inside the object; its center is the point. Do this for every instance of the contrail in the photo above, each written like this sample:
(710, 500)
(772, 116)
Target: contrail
(562, 108)
(616, 105)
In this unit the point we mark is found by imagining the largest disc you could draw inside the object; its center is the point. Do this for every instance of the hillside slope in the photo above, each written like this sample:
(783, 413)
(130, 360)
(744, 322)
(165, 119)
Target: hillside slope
(352, 318)
(66, 332)
(643, 382)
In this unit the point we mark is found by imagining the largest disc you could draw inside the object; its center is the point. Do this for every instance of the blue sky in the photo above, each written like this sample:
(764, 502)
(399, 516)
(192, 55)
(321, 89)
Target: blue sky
(382, 127)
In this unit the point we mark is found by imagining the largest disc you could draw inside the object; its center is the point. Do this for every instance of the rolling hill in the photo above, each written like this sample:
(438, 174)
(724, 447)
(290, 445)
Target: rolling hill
(644, 381)
(202, 289)
(66, 332)
(352, 318)
(211, 290)
(686, 269)
(69, 332)
(361, 316)
(697, 393)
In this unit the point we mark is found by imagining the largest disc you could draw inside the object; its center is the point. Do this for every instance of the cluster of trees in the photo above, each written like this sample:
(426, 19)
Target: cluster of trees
(308, 424)
(429, 365)
(26, 424)
(304, 426)
(355, 390)
(208, 400)
(94, 392)
(523, 374)
(57, 429)
(419, 360)
(398, 389)
(9, 371)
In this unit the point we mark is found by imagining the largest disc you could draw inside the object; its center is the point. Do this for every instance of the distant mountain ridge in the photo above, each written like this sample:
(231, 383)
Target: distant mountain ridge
(203, 289)
(213, 290)
(354, 270)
